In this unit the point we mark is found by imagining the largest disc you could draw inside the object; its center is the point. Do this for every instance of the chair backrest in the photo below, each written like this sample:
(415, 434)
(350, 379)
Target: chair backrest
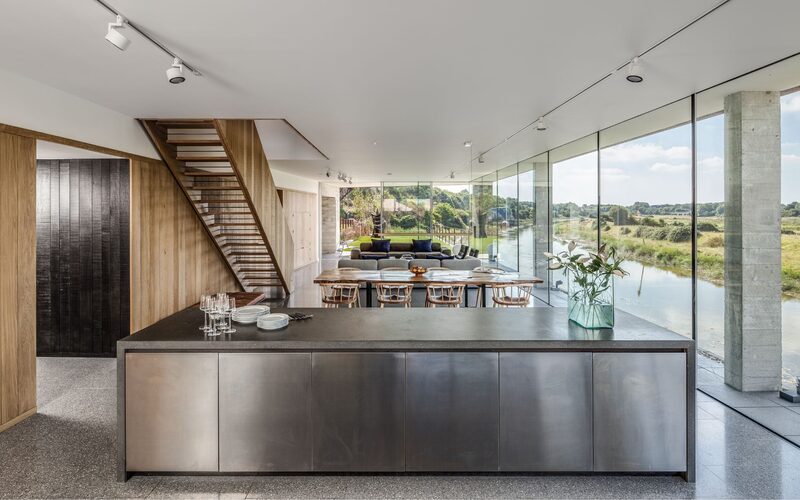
(394, 293)
(334, 292)
(457, 248)
(462, 252)
(512, 294)
(473, 252)
(445, 293)
(362, 264)
(392, 263)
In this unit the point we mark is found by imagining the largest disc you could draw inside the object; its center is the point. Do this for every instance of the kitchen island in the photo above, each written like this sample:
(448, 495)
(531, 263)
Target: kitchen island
(407, 390)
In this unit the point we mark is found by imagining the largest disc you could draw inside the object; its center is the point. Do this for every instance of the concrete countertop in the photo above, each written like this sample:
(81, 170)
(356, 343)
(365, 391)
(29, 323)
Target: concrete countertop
(415, 329)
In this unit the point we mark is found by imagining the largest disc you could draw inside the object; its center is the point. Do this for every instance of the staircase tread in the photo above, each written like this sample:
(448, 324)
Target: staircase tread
(209, 174)
(202, 158)
(194, 142)
(214, 188)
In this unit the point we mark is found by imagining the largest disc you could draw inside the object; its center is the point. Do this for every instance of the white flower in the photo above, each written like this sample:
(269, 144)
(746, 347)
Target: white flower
(554, 265)
(572, 245)
(549, 255)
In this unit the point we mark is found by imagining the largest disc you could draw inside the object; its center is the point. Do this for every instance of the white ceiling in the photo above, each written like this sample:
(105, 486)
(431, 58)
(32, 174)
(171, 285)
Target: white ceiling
(396, 86)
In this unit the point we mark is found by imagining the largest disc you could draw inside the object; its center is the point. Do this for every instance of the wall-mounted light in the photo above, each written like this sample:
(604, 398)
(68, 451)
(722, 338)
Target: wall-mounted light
(540, 124)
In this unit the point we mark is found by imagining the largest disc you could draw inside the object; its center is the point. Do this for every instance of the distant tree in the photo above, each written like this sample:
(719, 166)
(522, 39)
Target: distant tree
(620, 216)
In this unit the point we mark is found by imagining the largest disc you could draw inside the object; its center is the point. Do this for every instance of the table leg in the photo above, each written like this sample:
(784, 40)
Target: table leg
(483, 296)
(368, 289)
(466, 295)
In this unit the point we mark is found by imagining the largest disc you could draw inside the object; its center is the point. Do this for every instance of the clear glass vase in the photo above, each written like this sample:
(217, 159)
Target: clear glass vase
(591, 310)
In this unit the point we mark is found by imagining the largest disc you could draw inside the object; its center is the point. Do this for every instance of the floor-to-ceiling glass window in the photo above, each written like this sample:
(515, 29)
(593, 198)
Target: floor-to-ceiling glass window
(484, 237)
(542, 226)
(526, 216)
(710, 306)
(507, 219)
(451, 213)
(423, 209)
(400, 209)
(573, 170)
(790, 234)
(646, 213)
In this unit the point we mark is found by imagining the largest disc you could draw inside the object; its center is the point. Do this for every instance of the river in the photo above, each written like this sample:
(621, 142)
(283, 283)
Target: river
(665, 298)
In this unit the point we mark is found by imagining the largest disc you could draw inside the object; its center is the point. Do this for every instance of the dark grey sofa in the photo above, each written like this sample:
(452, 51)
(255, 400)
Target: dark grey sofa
(398, 250)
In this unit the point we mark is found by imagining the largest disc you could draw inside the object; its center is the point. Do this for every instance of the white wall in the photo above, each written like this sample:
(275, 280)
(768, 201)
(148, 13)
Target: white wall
(29, 104)
(284, 180)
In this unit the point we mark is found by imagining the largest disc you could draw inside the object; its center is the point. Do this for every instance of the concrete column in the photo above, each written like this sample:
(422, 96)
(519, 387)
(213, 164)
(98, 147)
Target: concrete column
(752, 241)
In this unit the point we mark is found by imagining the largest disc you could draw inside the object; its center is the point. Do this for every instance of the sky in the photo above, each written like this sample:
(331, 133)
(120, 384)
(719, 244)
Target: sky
(657, 168)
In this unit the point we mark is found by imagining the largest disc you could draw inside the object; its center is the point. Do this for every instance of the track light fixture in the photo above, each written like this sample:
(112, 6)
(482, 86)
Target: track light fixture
(116, 38)
(635, 71)
(540, 124)
(175, 72)
(350, 180)
(467, 144)
(480, 158)
(452, 174)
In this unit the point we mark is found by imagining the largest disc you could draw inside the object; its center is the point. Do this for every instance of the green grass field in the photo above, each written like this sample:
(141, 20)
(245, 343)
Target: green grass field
(677, 256)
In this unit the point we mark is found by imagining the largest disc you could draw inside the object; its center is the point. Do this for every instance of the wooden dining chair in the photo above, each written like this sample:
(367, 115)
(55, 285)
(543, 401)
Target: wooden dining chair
(394, 293)
(510, 294)
(336, 294)
(394, 269)
(444, 294)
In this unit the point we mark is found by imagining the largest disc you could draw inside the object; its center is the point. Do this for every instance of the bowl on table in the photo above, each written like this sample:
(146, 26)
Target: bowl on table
(418, 270)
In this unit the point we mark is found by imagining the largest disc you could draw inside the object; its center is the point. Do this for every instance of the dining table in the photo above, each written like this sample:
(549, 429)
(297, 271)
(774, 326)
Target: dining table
(458, 277)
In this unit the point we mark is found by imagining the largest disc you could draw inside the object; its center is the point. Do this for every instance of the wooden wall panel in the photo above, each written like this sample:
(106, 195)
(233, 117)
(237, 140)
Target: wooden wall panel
(246, 153)
(173, 261)
(300, 210)
(17, 278)
(91, 324)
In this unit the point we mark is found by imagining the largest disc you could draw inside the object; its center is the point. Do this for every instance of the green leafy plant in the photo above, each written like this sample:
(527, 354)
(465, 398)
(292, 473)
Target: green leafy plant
(592, 272)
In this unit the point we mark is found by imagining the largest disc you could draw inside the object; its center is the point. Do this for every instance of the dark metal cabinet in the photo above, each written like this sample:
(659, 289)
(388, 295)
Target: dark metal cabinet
(546, 411)
(640, 411)
(171, 412)
(264, 412)
(358, 408)
(451, 411)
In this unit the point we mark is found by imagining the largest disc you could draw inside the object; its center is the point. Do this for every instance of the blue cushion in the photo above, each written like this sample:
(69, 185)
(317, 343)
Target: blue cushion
(380, 245)
(422, 245)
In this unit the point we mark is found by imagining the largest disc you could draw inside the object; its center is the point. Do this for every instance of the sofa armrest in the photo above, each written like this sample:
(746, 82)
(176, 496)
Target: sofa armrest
(355, 254)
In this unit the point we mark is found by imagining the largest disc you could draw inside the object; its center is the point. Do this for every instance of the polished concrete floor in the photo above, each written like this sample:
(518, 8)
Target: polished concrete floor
(67, 450)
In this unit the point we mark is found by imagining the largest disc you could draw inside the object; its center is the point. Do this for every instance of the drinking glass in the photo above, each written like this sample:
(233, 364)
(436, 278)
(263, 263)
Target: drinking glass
(205, 303)
(215, 314)
(231, 311)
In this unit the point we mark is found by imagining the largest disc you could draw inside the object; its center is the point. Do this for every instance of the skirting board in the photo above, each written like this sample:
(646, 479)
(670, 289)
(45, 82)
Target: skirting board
(14, 421)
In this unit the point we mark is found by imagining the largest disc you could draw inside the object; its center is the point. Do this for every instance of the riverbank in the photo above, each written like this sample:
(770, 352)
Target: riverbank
(677, 256)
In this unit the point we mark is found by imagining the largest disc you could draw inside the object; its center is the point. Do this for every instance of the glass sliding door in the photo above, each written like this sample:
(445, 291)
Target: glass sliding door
(542, 226)
(573, 169)
(646, 213)
(507, 217)
(400, 210)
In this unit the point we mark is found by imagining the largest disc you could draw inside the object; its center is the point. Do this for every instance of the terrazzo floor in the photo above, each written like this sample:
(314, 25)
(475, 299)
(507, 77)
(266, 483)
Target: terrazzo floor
(67, 450)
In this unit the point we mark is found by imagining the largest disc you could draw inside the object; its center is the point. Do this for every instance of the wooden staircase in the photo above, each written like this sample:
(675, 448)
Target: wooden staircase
(210, 175)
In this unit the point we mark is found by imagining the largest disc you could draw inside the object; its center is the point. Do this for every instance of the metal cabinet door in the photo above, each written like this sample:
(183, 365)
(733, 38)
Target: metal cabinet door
(264, 412)
(546, 411)
(171, 412)
(451, 411)
(639, 411)
(358, 411)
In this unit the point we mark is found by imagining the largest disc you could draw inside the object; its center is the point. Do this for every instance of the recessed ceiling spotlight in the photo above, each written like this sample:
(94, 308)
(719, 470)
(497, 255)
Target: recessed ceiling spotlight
(540, 124)
(116, 38)
(175, 72)
(374, 143)
(635, 71)
(467, 144)
(388, 173)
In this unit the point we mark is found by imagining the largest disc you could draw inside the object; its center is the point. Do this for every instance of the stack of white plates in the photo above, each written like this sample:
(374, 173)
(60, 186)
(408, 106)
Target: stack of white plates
(273, 321)
(248, 315)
